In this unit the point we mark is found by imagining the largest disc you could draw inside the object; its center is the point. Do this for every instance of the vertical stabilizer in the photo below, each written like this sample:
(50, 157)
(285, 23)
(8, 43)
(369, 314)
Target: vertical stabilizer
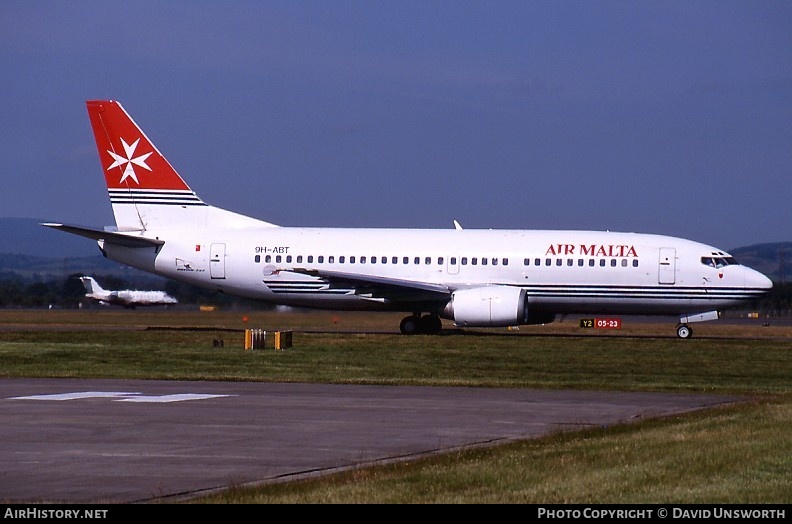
(93, 289)
(145, 191)
(88, 283)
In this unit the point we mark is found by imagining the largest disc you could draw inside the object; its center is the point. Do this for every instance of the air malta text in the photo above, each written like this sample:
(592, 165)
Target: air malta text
(592, 250)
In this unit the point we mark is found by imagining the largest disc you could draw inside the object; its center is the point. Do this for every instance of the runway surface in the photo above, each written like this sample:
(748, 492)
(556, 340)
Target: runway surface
(134, 441)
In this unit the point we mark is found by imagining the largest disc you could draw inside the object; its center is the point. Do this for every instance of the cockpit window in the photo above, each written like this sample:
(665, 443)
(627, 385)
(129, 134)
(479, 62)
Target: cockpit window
(719, 261)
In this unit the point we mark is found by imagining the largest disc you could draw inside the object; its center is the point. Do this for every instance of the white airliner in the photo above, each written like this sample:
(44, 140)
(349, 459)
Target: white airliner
(482, 278)
(129, 298)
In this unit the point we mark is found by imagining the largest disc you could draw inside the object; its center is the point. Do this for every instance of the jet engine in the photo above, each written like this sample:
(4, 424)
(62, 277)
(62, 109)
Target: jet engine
(492, 306)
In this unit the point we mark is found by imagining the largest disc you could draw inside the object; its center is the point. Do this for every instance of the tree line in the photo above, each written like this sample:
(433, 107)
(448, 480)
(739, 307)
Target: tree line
(68, 293)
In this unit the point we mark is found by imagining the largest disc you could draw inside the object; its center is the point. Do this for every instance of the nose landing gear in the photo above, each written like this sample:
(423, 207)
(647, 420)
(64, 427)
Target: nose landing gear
(684, 331)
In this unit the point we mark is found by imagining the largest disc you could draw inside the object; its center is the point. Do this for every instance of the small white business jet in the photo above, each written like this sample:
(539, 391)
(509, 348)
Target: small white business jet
(482, 278)
(129, 298)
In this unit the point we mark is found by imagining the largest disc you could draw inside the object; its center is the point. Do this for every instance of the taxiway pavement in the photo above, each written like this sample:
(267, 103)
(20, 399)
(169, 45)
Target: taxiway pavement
(137, 441)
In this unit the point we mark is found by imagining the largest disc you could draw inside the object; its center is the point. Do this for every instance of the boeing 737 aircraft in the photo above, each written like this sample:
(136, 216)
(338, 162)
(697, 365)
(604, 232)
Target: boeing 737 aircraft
(129, 298)
(473, 277)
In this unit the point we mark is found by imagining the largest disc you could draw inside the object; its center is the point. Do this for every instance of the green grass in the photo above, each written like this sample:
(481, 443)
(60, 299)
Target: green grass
(728, 455)
(733, 454)
(622, 363)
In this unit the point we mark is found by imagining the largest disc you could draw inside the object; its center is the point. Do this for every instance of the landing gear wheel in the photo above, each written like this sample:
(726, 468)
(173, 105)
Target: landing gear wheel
(430, 325)
(684, 331)
(409, 325)
(424, 325)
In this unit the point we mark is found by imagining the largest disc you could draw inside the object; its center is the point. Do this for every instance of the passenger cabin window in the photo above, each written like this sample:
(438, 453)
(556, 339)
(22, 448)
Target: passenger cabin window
(571, 262)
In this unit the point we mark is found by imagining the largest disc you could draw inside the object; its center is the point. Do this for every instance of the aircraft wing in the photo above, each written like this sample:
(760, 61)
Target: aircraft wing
(111, 237)
(377, 287)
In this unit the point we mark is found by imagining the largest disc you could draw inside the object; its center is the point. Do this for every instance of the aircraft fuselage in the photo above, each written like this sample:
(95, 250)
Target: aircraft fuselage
(561, 271)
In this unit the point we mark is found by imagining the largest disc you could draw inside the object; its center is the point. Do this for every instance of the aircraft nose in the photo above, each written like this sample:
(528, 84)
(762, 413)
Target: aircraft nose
(756, 280)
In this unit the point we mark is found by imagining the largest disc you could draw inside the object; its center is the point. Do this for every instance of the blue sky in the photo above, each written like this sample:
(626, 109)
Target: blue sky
(670, 117)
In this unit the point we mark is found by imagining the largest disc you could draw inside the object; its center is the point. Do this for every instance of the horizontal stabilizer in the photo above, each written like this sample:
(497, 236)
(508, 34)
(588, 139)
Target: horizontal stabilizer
(109, 237)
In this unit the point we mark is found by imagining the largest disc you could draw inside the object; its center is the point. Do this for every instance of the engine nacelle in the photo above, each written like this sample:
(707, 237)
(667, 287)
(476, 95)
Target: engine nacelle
(491, 306)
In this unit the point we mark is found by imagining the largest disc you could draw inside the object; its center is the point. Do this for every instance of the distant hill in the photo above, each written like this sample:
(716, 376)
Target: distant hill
(30, 248)
(24, 236)
(771, 259)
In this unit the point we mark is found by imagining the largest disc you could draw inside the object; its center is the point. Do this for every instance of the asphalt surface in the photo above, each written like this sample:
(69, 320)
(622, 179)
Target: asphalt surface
(135, 441)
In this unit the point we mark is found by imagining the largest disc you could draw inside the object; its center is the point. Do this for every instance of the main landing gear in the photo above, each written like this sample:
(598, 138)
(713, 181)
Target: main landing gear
(421, 325)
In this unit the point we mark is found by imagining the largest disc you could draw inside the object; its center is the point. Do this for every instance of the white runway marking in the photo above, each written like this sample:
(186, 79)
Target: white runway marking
(171, 398)
(121, 396)
(78, 395)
